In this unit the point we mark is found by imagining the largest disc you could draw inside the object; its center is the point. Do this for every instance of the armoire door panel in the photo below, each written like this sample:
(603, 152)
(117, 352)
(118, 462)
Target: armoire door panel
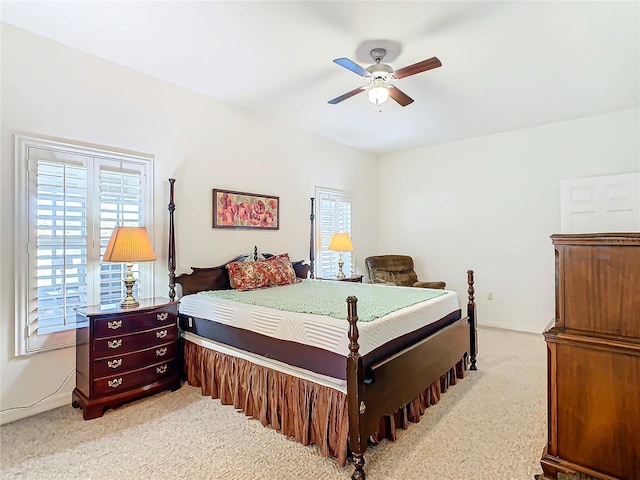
(602, 290)
(598, 426)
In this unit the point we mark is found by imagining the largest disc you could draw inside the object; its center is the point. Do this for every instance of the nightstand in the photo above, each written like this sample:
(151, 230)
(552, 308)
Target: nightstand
(352, 278)
(125, 354)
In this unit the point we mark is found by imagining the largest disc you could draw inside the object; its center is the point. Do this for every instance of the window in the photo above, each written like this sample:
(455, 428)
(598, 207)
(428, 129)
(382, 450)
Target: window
(72, 197)
(333, 214)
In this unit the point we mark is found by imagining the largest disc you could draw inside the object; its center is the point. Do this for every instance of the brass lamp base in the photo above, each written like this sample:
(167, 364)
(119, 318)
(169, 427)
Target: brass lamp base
(130, 303)
(129, 281)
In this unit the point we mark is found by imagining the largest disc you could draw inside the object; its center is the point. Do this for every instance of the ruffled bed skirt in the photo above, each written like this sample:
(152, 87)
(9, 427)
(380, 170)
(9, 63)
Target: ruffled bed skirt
(311, 413)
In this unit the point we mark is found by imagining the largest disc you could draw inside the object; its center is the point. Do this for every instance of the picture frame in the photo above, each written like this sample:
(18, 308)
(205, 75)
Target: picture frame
(244, 210)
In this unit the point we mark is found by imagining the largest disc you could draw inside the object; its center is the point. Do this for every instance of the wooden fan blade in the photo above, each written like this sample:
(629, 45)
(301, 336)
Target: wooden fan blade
(422, 66)
(399, 96)
(353, 66)
(346, 95)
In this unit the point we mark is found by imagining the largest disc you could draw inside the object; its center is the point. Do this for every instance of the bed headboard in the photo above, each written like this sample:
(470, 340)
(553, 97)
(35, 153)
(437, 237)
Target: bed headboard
(217, 278)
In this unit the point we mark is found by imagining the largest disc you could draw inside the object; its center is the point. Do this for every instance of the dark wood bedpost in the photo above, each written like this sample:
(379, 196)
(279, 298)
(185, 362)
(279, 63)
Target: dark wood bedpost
(312, 241)
(471, 313)
(355, 396)
(171, 258)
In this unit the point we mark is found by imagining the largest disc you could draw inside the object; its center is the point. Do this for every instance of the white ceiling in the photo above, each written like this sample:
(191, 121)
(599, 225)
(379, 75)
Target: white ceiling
(506, 65)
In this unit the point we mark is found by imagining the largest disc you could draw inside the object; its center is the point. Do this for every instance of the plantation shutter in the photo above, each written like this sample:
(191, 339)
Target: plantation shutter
(60, 238)
(120, 205)
(70, 198)
(334, 216)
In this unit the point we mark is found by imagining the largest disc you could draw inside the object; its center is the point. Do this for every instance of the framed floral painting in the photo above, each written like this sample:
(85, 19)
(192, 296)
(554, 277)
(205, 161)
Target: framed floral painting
(245, 210)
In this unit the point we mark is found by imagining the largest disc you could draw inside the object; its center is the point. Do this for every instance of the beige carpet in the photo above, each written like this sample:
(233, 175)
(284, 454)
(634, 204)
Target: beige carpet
(490, 426)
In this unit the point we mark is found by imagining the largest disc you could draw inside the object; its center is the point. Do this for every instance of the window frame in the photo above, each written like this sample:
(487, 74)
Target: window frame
(27, 340)
(320, 244)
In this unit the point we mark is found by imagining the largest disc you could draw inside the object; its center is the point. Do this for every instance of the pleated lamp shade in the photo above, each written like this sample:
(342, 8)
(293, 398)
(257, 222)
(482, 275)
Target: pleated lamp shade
(341, 242)
(129, 245)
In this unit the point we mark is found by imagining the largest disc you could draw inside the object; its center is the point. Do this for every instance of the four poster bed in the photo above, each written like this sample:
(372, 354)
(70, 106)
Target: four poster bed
(325, 377)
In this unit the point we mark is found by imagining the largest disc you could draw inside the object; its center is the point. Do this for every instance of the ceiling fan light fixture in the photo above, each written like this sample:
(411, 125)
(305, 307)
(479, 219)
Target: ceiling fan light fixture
(379, 92)
(381, 78)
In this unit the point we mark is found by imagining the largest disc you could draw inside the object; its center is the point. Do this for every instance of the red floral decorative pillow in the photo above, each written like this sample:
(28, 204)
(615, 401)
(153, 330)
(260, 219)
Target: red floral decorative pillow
(276, 270)
(248, 275)
(282, 270)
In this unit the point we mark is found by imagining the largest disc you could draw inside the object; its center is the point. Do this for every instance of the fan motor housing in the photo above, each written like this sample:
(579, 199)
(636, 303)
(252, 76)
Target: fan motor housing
(380, 70)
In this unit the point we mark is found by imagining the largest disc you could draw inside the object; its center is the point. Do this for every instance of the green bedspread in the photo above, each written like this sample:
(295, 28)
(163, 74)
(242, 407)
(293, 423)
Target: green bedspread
(329, 298)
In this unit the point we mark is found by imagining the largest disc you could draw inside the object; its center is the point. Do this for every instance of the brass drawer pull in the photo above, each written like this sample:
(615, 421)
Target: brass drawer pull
(161, 369)
(161, 333)
(114, 343)
(116, 324)
(115, 383)
(161, 352)
(114, 363)
(162, 316)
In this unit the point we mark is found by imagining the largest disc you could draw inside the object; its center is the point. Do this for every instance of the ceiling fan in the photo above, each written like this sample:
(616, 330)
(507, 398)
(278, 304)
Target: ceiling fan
(380, 77)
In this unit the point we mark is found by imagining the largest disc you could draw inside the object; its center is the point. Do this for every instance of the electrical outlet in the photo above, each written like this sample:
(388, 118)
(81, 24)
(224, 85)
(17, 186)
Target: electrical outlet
(490, 296)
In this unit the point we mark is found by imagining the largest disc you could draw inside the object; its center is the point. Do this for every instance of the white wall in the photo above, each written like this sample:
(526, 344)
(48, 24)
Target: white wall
(52, 90)
(491, 203)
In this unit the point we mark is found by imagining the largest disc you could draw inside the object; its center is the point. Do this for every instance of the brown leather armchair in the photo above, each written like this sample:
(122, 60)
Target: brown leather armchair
(396, 270)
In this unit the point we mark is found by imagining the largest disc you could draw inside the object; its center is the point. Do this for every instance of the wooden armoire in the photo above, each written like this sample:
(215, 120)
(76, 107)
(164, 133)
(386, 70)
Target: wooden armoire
(593, 354)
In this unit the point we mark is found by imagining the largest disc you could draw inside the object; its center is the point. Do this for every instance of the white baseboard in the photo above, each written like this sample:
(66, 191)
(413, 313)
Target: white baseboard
(58, 400)
(515, 328)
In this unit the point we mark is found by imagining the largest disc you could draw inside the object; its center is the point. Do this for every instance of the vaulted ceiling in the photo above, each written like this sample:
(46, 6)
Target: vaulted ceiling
(505, 65)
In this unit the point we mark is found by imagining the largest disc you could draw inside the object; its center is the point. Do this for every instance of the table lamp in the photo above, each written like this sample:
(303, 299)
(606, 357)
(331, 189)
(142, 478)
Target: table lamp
(340, 242)
(129, 245)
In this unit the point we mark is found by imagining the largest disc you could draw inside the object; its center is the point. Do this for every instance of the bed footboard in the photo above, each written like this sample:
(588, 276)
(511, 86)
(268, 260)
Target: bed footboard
(393, 382)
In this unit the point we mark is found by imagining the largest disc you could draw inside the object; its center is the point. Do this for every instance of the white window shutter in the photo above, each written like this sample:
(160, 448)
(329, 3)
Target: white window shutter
(333, 216)
(121, 200)
(58, 266)
(71, 197)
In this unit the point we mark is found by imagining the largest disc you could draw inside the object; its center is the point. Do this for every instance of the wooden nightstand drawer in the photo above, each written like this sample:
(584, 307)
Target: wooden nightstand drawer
(106, 347)
(135, 378)
(112, 325)
(103, 367)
